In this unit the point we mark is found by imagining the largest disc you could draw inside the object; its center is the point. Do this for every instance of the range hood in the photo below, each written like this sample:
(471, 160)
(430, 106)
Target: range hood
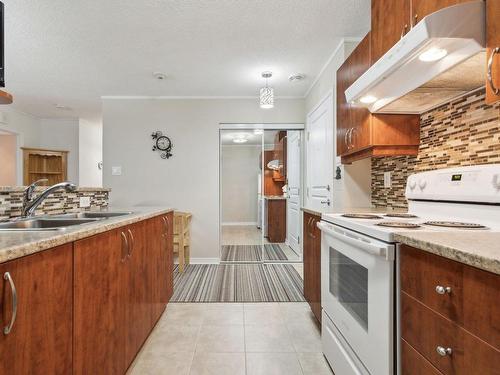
(440, 58)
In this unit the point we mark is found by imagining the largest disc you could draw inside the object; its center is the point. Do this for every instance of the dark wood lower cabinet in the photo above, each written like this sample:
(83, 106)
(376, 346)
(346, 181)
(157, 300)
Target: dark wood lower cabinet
(276, 220)
(312, 263)
(40, 341)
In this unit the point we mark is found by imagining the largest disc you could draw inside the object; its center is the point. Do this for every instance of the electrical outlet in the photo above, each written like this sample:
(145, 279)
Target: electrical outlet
(84, 202)
(387, 180)
(116, 171)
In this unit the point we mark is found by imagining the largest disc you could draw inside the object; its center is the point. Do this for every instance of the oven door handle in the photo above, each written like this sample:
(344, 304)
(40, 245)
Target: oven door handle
(368, 247)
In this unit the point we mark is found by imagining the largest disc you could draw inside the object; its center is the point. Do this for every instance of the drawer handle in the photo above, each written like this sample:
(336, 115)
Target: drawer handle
(443, 352)
(132, 243)
(443, 290)
(8, 328)
(495, 90)
(125, 247)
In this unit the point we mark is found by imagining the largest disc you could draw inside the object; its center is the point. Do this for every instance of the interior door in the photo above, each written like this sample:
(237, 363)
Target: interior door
(293, 200)
(320, 155)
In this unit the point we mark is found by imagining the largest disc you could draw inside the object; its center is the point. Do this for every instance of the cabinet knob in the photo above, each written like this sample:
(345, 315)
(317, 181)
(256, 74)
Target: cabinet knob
(443, 290)
(443, 352)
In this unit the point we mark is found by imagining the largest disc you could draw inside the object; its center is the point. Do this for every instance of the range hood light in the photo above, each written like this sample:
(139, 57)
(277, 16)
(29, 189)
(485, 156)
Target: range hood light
(368, 99)
(240, 140)
(433, 54)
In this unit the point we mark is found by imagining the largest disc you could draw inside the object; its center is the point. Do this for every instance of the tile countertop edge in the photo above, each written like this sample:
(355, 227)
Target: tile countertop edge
(17, 247)
(437, 247)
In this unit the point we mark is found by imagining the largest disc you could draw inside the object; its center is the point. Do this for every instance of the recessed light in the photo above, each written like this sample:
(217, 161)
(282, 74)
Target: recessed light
(240, 140)
(433, 54)
(368, 99)
(296, 77)
(159, 76)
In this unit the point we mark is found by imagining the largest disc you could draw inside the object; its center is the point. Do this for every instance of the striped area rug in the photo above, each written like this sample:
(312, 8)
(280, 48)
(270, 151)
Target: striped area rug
(238, 283)
(252, 253)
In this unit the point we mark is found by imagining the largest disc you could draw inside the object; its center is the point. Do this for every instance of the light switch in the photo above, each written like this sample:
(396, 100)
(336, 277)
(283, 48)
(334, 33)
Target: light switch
(387, 180)
(116, 171)
(84, 202)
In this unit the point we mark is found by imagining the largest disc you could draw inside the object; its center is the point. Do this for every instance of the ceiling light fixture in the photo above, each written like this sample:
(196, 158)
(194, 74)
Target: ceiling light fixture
(266, 93)
(368, 99)
(159, 76)
(296, 77)
(240, 140)
(433, 54)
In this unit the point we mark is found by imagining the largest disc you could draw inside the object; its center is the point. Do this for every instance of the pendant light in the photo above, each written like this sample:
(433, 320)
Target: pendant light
(266, 93)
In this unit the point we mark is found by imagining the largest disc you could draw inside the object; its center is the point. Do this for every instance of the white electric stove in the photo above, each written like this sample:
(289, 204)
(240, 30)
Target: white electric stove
(359, 261)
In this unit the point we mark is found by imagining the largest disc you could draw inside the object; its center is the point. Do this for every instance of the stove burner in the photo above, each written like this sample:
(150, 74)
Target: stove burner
(362, 216)
(402, 216)
(397, 224)
(455, 224)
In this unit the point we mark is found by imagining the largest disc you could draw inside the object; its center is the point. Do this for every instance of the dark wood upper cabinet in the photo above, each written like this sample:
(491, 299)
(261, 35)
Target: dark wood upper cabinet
(492, 42)
(422, 8)
(40, 341)
(390, 21)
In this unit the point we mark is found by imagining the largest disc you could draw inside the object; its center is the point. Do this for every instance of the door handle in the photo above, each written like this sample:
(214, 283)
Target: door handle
(125, 246)
(326, 202)
(8, 277)
(495, 90)
(132, 243)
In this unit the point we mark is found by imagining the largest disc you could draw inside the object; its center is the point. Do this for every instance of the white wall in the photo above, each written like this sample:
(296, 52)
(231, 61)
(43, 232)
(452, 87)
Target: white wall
(353, 189)
(190, 179)
(8, 157)
(90, 153)
(62, 134)
(240, 167)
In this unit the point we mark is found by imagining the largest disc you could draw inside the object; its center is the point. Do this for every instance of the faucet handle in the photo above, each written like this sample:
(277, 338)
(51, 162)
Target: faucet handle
(28, 193)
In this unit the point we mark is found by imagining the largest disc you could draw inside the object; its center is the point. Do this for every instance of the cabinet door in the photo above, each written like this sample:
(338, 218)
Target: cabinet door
(390, 21)
(422, 8)
(40, 339)
(492, 42)
(312, 264)
(343, 118)
(100, 300)
(138, 288)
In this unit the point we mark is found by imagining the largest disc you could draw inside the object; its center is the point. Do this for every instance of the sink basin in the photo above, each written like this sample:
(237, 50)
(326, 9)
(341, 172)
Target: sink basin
(43, 224)
(93, 214)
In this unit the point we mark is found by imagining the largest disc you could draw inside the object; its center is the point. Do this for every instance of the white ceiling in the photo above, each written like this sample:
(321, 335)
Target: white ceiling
(73, 52)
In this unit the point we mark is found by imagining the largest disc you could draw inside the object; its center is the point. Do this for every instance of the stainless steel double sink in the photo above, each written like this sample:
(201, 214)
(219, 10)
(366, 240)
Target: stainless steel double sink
(58, 222)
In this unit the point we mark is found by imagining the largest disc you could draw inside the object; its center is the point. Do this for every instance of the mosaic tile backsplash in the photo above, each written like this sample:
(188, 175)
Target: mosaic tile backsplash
(11, 201)
(465, 131)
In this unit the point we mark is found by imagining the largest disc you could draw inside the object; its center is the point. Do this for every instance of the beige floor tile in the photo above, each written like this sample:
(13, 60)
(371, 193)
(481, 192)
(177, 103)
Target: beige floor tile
(183, 314)
(297, 312)
(173, 338)
(223, 314)
(221, 339)
(218, 364)
(154, 363)
(306, 336)
(267, 338)
(314, 364)
(263, 313)
(273, 364)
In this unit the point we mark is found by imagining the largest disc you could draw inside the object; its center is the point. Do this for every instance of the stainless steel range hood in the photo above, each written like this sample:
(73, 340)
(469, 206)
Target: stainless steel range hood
(442, 57)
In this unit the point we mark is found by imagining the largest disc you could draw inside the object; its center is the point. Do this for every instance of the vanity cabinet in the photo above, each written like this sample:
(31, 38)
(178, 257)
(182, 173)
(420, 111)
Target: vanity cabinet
(40, 340)
(312, 263)
(276, 220)
(493, 51)
(449, 316)
(361, 134)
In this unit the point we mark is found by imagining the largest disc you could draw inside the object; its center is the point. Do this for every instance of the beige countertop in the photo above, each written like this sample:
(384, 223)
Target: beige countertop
(477, 249)
(21, 243)
(274, 197)
(15, 189)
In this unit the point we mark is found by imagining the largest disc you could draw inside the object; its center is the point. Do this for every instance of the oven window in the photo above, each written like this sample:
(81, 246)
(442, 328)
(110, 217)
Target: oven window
(349, 285)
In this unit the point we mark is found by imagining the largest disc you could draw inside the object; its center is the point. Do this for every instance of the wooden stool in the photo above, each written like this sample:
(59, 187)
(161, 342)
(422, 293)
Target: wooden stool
(182, 237)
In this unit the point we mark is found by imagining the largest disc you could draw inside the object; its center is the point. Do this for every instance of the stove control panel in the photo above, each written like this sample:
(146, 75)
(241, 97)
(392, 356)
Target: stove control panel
(479, 183)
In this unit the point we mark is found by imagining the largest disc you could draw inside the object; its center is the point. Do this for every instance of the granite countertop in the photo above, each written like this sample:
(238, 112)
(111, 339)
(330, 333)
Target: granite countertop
(476, 249)
(15, 189)
(367, 210)
(274, 197)
(21, 243)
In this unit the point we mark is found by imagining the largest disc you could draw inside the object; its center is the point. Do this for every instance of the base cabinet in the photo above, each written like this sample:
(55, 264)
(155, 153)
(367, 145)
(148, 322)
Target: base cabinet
(40, 340)
(312, 263)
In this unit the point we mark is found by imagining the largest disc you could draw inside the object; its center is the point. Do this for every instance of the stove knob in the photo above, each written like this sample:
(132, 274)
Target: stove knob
(422, 184)
(412, 185)
(496, 181)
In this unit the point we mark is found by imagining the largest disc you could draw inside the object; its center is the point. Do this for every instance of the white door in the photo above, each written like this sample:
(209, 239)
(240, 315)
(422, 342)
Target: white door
(320, 155)
(293, 201)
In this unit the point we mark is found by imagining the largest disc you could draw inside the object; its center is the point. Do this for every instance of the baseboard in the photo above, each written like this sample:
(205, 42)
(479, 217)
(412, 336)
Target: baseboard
(204, 260)
(254, 223)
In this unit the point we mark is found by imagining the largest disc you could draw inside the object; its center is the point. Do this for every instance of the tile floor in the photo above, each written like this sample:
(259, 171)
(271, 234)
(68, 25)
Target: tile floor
(233, 339)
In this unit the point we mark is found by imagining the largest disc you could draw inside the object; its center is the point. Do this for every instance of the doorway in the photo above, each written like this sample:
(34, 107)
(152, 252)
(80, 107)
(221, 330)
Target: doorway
(261, 193)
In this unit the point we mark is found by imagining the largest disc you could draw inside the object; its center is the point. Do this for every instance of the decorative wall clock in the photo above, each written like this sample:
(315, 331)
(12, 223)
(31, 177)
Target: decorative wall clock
(163, 144)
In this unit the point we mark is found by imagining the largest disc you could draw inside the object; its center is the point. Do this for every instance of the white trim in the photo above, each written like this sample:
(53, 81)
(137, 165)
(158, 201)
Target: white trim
(264, 126)
(325, 65)
(191, 97)
(204, 261)
(229, 223)
(321, 101)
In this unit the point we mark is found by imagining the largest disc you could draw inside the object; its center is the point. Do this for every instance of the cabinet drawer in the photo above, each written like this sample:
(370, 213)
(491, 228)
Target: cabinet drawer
(425, 330)
(412, 362)
(422, 273)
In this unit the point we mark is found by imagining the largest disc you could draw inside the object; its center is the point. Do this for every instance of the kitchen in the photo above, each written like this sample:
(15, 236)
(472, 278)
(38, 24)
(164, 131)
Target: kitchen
(396, 109)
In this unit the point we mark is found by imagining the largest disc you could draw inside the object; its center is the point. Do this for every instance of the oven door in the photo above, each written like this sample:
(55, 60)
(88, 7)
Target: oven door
(357, 292)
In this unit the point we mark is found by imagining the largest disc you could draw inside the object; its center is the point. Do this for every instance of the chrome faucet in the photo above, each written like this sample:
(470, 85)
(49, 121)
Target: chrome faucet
(30, 204)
